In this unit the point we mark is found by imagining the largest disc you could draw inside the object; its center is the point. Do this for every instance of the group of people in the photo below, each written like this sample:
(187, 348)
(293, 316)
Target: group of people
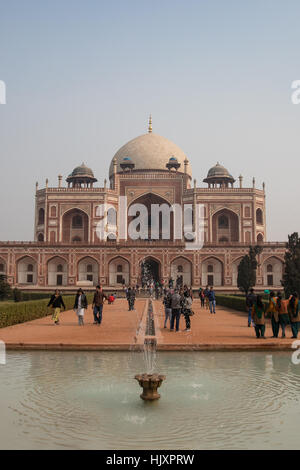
(283, 312)
(178, 302)
(81, 304)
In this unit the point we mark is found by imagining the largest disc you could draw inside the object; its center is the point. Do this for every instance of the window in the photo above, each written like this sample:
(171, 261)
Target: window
(119, 268)
(259, 217)
(119, 279)
(89, 268)
(210, 280)
(210, 268)
(270, 268)
(260, 238)
(29, 278)
(180, 269)
(40, 237)
(41, 218)
(2, 268)
(59, 280)
(223, 221)
(30, 267)
(270, 279)
(59, 268)
(77, 221)
(89, 277)
(76, 239)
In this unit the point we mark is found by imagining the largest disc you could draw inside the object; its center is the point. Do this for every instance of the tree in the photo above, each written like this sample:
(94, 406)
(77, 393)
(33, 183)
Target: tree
(5, 289)
(291, 275)
(247, 269)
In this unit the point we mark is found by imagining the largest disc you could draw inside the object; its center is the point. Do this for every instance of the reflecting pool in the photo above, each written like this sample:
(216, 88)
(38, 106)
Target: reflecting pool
(90, 400)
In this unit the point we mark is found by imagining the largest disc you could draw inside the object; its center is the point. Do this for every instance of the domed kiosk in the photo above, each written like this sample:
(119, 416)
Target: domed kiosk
(81, 176)
(218, 175)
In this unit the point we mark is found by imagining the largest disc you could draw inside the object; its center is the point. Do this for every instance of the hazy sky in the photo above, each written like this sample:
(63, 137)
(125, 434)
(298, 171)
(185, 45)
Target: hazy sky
(83, 76)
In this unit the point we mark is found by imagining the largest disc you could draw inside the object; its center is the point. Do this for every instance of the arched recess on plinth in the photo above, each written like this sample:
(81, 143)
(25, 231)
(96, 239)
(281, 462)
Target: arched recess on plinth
(181, 271)
(212, 272)
(272, 271)
(57, 269)
(119, 271)
(150, 270)
(87, 271)
(27, 271)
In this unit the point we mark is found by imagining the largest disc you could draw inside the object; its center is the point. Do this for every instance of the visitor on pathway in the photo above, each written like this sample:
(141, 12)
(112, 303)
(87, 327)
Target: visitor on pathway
(206, 292)
(258, 317)
(201, 297)
(97, 305)
(272, 310)
(250, 299)
(130, 298)
(186, 305)
(167, 302)
(282, 309)
(80, 305)
(294, 314)
(176, 310)
(212, 300)
(171, 283)
(111, 299)
(56, 302)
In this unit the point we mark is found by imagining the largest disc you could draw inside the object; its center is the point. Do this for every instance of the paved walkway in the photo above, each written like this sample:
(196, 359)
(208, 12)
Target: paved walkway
(122, 330)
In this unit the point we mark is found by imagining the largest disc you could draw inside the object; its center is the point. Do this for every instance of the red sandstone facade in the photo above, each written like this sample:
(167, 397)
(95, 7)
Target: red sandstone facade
(149, 169)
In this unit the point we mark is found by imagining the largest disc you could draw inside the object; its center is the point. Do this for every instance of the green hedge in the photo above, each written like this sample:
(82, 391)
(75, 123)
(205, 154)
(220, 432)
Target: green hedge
(234, 302)
(20, 312)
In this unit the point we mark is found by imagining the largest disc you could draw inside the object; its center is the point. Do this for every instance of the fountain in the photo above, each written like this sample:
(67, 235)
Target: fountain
(150, 381)
(150, 384)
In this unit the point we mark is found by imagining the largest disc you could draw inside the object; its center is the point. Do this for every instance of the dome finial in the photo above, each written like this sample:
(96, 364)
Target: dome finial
(150, 124)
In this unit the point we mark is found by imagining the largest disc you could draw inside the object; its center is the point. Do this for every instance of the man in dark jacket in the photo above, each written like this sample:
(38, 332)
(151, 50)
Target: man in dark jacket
(56, 302)
(168, 306)
(97, 305)
(130, 298)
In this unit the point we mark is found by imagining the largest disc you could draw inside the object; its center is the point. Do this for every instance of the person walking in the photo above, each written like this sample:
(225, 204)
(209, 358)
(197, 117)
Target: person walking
(130, 298)
(80, 305)
(167, 302)
(206, 292)
(250, 299)
(176, 310)
(258, 317)
(201, 297)
(274, 314)
(282, 309)
(56, 302)
(187, 302)
(97, 305)
(294, 314)
(212, 300)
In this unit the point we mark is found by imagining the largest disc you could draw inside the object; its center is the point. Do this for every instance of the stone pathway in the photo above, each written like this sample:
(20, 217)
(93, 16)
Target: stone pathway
(124, 330)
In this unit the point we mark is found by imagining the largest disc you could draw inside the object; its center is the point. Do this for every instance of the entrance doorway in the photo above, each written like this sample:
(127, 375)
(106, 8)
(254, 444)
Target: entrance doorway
(150, 271)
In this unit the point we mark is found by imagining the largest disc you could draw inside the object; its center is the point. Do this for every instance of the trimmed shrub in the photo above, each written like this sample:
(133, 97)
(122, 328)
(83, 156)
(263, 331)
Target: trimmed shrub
(20, 312)
(234, 302)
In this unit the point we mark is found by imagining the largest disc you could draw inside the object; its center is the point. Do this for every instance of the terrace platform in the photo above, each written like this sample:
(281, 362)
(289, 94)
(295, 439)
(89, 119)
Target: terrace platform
(122, 330)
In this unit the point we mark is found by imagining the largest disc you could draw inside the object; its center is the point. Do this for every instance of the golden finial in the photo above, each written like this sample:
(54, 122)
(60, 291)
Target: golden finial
(150, 124)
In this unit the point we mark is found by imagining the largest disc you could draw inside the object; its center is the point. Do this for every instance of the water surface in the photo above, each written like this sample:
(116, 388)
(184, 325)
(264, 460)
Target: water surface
(89, 400)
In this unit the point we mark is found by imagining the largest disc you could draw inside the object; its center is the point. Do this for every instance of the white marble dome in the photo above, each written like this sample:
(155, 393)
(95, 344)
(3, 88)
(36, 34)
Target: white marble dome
(150, 152)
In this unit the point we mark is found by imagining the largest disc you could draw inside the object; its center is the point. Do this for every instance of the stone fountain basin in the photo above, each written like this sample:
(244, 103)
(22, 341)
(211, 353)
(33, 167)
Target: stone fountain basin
(150, 384)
